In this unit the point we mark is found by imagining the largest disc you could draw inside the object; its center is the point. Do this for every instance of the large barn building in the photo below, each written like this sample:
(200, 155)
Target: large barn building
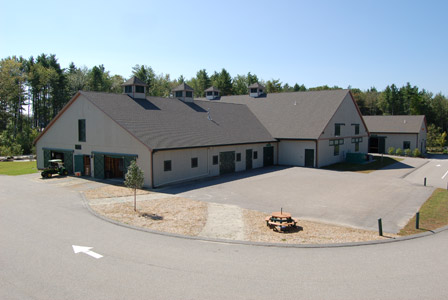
(178, 139)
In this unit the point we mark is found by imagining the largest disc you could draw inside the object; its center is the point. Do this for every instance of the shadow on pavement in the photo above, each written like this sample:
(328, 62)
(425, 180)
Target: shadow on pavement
(211, 181)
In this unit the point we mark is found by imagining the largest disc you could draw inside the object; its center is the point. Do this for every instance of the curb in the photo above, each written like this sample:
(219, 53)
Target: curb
(261, 244)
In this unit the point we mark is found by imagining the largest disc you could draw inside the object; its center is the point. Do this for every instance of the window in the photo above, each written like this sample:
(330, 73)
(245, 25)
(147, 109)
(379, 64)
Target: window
(357, 147)
(194, 162)
(128, 89)
(337, 129)
(253, 91)
(82, 130)
(215, 159)
(238, 157)
(209, 93)
(167, 165)
(216, 93)
(356, 128)
(139, 89)
(189, 94)
(337, 142)
(178, 94)
(406, 145)
(357, 140)
(336, 150)
(78, 147)
(255, 154)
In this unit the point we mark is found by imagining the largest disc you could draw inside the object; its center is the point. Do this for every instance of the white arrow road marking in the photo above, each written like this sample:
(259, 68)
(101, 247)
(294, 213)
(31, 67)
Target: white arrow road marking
(86, 250)
(446, 173)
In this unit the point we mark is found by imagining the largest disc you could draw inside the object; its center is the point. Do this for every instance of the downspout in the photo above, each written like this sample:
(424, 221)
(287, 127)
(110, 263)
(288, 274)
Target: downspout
(278, 150)
(152, 169)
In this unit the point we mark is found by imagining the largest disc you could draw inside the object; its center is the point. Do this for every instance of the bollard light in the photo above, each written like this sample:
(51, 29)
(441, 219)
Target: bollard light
(380, 227)
(417, 220)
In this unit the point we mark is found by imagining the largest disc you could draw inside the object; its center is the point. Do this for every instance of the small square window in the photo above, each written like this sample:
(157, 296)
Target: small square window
(179, 94)
(238, 157)
(167, 165)
(255, 154)
(139, 89)
(128, 89)
(189, 94)
(194, 162)
(406, 145)
(78, 147)
(215, 159)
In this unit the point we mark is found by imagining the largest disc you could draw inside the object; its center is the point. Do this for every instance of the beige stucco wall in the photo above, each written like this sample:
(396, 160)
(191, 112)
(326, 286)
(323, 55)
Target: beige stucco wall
(348, 115)
(292, 152)
(102, 135)
(181, 169)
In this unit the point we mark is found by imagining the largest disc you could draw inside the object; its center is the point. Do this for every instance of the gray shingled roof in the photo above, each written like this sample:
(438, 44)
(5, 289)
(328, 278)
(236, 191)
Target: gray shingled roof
(164, 123)
(394, 124)
(134, 80)
(256, 85)
(183, 87)
(296, 115)
(212, 89)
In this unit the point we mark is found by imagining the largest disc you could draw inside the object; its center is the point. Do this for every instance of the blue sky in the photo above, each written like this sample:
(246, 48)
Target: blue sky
(357, 43)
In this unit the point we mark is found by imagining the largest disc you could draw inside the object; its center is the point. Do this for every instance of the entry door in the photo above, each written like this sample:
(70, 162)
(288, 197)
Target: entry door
(248, 159)
(309, 158)
(226, 162)
(79, 164)
(381, 145)
(268, 156)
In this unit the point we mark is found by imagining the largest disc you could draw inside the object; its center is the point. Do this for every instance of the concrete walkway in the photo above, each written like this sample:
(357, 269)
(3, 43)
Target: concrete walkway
(224, 222)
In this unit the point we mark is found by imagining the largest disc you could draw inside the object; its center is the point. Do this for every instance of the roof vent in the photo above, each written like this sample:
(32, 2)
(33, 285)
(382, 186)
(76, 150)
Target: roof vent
(212, 93)
(135, 88)
(256, 90)
(183, 92)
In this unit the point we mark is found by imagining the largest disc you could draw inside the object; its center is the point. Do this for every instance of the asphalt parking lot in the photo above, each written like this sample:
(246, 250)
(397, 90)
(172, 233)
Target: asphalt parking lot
(343, 198)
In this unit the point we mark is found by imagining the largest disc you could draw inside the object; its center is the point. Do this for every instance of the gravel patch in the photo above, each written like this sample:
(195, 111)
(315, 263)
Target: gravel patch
(224, 222)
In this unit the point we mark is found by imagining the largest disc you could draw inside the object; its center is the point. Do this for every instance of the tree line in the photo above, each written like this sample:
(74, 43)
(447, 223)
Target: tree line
(34, 90)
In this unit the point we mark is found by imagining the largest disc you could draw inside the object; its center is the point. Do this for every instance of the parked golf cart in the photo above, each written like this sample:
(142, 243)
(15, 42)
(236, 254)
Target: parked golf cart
(56, 167)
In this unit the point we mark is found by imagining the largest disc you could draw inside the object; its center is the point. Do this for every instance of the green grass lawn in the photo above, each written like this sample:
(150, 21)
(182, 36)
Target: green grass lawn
(378, 163)
(17, 168)
(433, 214)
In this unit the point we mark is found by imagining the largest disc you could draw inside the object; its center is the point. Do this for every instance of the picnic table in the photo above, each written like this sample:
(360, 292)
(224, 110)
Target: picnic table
(281, 221)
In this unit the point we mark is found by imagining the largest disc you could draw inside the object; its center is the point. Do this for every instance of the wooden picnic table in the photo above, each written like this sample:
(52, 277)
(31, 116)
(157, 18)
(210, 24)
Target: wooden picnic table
(281, 221)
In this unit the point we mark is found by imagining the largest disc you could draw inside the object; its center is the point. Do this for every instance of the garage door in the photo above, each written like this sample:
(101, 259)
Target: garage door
(226, 162)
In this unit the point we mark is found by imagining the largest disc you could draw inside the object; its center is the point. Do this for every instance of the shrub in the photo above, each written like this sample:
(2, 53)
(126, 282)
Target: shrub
(399, 152)
(407, 152)
(416, 153)
(391, 150)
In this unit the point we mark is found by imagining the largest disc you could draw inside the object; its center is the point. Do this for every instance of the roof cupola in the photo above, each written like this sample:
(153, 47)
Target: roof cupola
(135, 88)
(183, 92)
(256, 90)
(212, 93)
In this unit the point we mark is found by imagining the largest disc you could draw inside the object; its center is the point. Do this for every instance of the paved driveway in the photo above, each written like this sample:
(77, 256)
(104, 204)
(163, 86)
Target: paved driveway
(345, 198)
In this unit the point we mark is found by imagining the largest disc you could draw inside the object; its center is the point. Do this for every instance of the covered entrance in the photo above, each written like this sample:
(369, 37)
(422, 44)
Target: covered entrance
(111, 165)
(82, 164)
(227, 162)
(65, 155)
(377, 144)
